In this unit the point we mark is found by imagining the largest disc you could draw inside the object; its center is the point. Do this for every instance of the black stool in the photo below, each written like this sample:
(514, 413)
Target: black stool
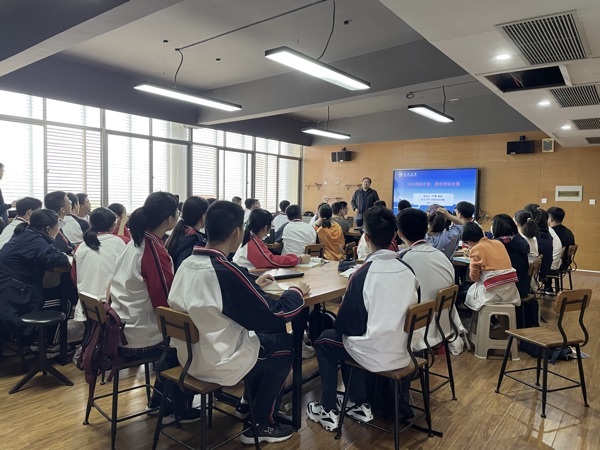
(42, 319)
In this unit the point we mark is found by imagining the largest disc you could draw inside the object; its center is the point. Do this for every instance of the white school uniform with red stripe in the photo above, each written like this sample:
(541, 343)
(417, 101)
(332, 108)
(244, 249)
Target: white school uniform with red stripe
(256, 255)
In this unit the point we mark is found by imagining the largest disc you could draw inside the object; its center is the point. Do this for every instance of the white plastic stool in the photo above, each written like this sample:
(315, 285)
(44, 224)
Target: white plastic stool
(481, 336)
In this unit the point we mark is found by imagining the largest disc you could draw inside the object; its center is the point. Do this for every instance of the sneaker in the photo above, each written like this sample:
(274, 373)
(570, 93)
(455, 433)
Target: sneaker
(340, 400)
(308, 351)
(242, 409)
(361, 413)
(549, 293)
(328, 419)
(190, 416)
(271, 433)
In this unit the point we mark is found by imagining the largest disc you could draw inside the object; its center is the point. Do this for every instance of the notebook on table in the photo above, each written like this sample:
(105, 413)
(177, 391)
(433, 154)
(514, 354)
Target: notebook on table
(278, 274)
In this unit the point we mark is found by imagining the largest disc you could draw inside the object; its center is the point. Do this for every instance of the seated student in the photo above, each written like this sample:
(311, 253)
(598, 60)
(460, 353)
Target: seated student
(370, 323)
(95, 258)
(330, 234)
(541, 218)
(549, 247)
(237, 200)
(72, 228)
(186, 233)
(254, 254)
(465, 211)
(403, 204)
(380, 203)
(556, 216)
(433, 270)
(439, 235)
(505, 230)
(344, 211)
(25, 207)
(242, 330)
(251, 203)
(281, 218)
(58, 202)
(296, 234)
(316, 215)
(336, 209)
(84, 209)
(529, 230)
(23, 262)
(121, 213)
(490, 269)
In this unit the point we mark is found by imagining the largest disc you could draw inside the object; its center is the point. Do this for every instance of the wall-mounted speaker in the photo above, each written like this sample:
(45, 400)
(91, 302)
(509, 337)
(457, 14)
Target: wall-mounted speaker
(547, 145)
(341, 156)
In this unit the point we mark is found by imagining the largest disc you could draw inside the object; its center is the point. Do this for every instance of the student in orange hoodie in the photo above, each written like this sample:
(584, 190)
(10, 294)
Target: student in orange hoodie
(330, 234)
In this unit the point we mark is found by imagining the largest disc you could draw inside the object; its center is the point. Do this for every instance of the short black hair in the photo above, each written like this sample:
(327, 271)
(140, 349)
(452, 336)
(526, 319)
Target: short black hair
(403, 204)
(73, 199)
(117, 208)
(26, 203)
(82, 197)
(249, 202)
(556, 214)
(533, 208)
(472, 232)
(236, 199)
(379, 224)
(222, 218)
(466, 209)
(380, 203)
(343, 203)
(542, 219)
(412, 223)
(503, 225)
(283, 204)
(336, 207)
(293, 212)
(55, 201)
(367, 178)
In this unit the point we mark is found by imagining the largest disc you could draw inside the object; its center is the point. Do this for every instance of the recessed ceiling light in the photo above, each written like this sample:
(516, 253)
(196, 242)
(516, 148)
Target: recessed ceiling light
(503, 57)
(565, 127)
(544, 103)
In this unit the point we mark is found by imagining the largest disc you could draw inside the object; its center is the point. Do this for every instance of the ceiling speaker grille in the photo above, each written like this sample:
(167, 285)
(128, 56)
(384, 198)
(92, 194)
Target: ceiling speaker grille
(548, 39)
(593, 140)
(585, 95)
(587, 124)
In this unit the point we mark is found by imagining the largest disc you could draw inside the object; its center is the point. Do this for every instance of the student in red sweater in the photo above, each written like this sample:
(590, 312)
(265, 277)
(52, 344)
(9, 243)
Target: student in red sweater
(254, 254)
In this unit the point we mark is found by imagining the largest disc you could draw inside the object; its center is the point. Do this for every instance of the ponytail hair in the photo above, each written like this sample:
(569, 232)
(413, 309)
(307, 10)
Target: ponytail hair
(193, 209)
(259, 218)
(40, 220)
(102, 220)
(542, 220)
(325, 213)
(158, 207)
(527, 224)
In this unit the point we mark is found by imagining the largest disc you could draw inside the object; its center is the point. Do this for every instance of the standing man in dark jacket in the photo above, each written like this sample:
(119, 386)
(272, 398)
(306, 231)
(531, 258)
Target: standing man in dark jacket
(363, 199)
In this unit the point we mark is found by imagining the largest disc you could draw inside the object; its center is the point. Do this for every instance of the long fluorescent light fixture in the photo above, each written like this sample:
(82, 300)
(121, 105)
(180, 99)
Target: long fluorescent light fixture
(183, 96)
(311, 66)
(326, 133)
(431, 113)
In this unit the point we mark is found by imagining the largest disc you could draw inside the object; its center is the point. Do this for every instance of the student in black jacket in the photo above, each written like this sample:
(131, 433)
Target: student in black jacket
(23, 262)
(556, 216)
(186, 234)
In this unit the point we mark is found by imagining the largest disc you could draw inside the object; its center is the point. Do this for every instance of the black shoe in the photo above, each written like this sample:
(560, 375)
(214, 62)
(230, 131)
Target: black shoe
(242, 410)
(273, 432)
(190, 416)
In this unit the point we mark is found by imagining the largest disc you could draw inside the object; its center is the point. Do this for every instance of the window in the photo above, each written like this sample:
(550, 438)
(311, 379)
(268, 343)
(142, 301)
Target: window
(129, 169)
(234, 140)
(21, 105)
(127, 123)
(169, 168)
(71, 113)
(208, 136)
(235, 174)
(289, 180)
(23, 158)
(265, 189)
(172, 130)
(204, 171)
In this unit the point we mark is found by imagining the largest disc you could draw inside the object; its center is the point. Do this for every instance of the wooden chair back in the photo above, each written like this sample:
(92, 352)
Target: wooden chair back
(93, 309)
(571, 252)
(534, 268)
(314, 250)
(445, 301)
(569, 301)
(419, 316)
(349, 249)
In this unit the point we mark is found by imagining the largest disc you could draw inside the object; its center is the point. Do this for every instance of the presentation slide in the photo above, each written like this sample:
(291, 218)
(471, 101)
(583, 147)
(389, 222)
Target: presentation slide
(446, 187)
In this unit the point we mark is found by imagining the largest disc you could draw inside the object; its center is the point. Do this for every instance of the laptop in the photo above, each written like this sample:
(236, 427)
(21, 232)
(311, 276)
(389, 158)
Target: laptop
(278, 274)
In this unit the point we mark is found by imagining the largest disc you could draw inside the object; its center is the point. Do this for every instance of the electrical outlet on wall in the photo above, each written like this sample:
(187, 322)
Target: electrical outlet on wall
(324, 181)
(337, 182)
(544, 201)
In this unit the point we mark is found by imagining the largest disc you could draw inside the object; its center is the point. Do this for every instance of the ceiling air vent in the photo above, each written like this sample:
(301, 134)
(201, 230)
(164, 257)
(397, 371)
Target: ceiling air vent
(587, 124)
(593, 140)
(548, 39)
(585, 95)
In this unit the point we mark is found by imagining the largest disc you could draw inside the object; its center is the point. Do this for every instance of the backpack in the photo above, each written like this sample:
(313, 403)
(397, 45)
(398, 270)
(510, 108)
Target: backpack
(319, 320)
(99, 348)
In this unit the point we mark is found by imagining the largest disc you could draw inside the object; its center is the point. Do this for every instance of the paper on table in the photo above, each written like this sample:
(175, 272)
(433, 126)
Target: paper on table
(313, 262)
(273, 287)
(348, 273)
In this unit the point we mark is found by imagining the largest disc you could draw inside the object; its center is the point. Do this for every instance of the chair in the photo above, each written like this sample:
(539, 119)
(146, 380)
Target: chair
(571, 267)
(179, 325)
(42, 320)
(417, 316)
(94, 312)
(481, 337)
(349, 249)
(548, 340)
(533, 272)
(445, 302)
(314, 250)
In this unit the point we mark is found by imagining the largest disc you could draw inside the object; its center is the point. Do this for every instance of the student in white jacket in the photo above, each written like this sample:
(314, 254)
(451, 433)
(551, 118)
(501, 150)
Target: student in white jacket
(25, 207)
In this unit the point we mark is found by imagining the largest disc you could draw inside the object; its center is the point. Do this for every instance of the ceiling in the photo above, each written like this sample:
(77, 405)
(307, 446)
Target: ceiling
(94, 52)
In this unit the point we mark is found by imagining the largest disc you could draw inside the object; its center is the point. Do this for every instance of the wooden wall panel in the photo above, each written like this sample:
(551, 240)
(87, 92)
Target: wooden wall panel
(507, 182)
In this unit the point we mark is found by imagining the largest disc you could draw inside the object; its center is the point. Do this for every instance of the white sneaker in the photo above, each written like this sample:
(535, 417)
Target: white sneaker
(362, 412)
(308, 351)
(328, 420)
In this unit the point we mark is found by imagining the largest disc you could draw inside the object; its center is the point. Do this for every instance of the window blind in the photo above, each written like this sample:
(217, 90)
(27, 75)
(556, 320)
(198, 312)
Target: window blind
(204, 171)
(265, 187)
(129, 169)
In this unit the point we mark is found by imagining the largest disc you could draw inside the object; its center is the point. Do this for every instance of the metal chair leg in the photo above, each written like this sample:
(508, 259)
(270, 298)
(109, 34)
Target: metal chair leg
(538, 367)
(252, 419)
(115, 404)
(210, 409)
(344, 403)
(397, 412)
(545, 383)
(147, 376)
(203, 422)
(503, 368)
(450, 373)
(581, 375)
(161, 414)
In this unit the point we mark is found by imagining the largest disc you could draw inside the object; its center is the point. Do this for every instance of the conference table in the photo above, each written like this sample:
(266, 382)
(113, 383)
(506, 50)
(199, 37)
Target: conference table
(325, 284)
